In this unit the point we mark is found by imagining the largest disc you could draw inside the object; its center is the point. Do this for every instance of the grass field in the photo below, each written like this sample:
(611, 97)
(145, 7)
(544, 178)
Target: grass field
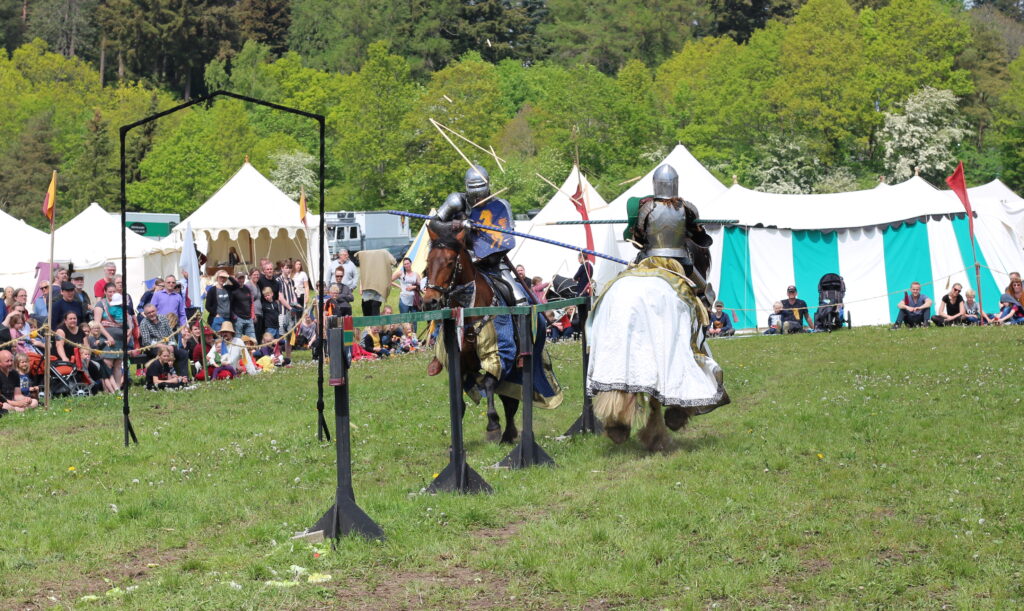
(865, 468)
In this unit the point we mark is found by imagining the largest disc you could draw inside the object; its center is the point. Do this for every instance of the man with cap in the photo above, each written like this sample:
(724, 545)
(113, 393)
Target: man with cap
(109, 269)
(78, 279)
(794, 313)
(67, 303)
(720, 325)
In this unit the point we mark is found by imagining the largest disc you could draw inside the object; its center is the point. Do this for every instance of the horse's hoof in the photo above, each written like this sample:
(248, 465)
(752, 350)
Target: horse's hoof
(676, 418)
(494, 436)
(510, 438)
(434, 367)
(617, 432)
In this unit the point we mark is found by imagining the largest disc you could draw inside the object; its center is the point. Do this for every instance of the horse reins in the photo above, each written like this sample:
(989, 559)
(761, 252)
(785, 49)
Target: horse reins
(453, 291)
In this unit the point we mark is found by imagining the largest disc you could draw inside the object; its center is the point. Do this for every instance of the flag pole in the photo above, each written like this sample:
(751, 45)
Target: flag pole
(49, 318)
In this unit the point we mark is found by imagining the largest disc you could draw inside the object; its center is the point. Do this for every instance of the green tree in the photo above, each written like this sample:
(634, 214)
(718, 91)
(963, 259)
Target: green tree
(66, 25)
(922, 138)
(264, 21)
(21, 191)
(1010, 123)
(821, 91)
(370, 144)
(498, 29)
(92, 175)
(739, 19)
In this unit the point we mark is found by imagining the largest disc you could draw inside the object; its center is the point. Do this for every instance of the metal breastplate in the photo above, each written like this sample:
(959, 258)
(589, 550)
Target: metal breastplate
(665, 230)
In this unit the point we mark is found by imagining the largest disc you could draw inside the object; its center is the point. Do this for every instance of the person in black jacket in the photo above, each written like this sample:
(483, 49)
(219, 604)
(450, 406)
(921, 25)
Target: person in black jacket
(241, 306)
(218, 301)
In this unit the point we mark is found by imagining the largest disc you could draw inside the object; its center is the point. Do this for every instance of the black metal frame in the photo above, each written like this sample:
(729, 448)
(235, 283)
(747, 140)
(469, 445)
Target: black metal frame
(321, 426)
(528, 452)
(586, 423)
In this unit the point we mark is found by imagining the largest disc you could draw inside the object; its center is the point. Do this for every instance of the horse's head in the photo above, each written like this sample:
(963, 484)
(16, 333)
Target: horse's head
(445, 271)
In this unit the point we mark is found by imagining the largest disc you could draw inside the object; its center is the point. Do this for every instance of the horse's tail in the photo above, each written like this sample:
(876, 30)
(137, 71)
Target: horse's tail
(615, 408)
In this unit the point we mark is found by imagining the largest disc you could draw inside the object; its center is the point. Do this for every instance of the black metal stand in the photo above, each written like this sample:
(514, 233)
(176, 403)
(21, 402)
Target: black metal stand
(527, 453)
(586, 423)
(344, 517)
(457, 476)
(129, 431)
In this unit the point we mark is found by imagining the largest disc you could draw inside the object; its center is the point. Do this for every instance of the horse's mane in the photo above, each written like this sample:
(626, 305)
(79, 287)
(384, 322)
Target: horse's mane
(447, 235)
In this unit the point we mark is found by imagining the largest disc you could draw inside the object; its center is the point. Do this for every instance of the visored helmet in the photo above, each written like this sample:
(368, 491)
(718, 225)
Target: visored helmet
(477, 184)
(666, 182)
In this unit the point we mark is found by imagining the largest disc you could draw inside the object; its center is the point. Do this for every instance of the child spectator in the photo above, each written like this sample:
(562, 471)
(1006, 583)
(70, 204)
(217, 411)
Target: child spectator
(540, 289)
(373, 344)
(1010, 311)
(972, 309)
(720, 325)
(409, 341)
(160, 373)
(22, 365)
(775, 320)
(561, 324)
(270, 313)
(96, 367)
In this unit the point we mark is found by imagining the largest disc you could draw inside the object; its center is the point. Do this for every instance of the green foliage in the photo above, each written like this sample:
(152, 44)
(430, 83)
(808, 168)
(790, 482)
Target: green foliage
(21, 192)
(740, 19)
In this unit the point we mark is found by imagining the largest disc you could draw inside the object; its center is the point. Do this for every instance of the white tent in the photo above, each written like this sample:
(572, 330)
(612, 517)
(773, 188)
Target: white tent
(93, 237)
(880, 240)
(696, 184)
(1011, 203)
(546, 260)
(24, 247)
(252, 216)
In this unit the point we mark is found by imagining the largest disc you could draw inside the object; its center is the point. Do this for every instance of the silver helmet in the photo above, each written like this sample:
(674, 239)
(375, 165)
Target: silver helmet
(666, 182)
(477, 184)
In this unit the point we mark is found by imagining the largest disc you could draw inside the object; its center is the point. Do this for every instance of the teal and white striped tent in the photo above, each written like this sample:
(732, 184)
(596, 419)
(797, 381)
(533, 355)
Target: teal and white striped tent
(880, 240)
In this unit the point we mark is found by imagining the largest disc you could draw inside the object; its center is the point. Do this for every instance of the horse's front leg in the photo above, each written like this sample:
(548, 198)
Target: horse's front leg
(493, 423)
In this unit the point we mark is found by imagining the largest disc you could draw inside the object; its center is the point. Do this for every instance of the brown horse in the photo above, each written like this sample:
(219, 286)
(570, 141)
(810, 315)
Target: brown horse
(453, 281)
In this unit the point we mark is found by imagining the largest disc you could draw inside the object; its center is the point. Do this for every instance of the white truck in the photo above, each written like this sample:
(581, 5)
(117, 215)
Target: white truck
(367, 231)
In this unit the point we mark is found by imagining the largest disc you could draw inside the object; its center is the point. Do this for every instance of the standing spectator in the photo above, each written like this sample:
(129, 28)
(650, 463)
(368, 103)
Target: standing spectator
(350, 273)
(67, 303)
(952, 311)
(147, 297)
(241, 306)
(583, 276)
(375, 279)
(60, 276)
(539, 288)
(291, 309)
(41, 304)
(78, 279)
(794, 313)
(233, 258)
(155, 334)
(170, 302)
(521, 275)
(253, 284)
(270, 314)
(301, 280)
(129, 305)
(109, 269)
(218, 301)
(409, 285)
(913, 309)
(720, 325)
(10, 386)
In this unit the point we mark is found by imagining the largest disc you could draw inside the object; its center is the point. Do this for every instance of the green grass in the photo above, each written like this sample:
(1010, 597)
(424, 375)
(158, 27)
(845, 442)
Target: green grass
(861, 468)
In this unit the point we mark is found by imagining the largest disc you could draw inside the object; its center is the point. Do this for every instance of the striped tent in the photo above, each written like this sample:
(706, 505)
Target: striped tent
(880, 240)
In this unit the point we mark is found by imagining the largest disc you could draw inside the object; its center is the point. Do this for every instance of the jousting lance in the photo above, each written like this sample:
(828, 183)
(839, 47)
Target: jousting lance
(585, 251)
(623, 221)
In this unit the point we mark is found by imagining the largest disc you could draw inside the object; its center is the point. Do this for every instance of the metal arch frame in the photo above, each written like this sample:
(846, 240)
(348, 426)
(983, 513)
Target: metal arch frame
(129, 431)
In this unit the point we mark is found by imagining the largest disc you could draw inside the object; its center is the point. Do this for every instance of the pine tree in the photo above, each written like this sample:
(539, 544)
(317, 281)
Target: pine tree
(34, 160)
(265, 21)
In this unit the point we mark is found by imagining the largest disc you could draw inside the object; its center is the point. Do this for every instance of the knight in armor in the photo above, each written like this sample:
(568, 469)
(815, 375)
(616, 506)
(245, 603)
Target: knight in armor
(666, 226)
(649, 361)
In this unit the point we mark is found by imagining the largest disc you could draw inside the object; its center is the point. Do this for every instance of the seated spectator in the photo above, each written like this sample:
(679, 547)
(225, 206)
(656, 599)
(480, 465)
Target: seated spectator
(160, 373)
(271, 349)
(794, 313)
(155, 333)
(913, 309)
(373, 344)
(409, 341)
(226, 354)
(1015, 289)
(972, 309)
(67, 336)
(11, 397)
(306, 334)
(560, 326)
(775, 320)
(29, 387)
(99, 341)
(720, 325)
(540, 289)
(1010, 311)
(952, 311)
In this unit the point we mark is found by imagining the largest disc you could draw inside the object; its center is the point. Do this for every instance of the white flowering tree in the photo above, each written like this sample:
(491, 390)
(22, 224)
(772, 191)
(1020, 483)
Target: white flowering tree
(293, 172)
(923, 136)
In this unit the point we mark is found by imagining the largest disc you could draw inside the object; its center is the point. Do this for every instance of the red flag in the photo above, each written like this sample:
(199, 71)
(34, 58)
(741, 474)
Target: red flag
(581, 207)
(50, 199)
(959, 186)
(734, 317)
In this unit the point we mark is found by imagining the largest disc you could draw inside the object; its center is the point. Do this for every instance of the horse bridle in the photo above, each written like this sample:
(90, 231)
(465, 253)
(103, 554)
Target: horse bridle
(456, 292)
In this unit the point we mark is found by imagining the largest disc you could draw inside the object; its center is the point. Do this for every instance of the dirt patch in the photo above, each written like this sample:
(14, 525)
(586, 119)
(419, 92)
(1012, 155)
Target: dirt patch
(133, 567)
(456, 586)
(499, 535)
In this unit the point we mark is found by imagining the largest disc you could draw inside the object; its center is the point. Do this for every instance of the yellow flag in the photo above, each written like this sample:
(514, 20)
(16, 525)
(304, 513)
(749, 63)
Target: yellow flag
(302, 205)
(50, 200)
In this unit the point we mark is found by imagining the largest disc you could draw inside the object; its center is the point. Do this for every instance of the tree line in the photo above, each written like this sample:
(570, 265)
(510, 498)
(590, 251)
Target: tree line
(821, 96)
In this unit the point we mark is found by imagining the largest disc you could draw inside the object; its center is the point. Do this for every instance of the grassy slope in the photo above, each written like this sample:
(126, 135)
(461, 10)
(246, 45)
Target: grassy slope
(858, 468)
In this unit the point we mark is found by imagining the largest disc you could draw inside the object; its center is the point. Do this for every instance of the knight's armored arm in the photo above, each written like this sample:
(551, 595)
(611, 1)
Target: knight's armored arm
(453, 208)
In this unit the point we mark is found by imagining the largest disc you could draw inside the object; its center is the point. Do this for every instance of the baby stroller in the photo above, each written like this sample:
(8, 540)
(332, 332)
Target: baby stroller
(67, 379)
(561, 288)
(831, 312)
